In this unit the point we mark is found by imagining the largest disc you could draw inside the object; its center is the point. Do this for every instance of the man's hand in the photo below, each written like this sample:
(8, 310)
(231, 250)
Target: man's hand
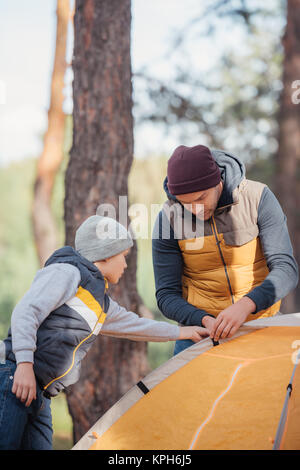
(24, 385)
(229, 320)
(195, 333)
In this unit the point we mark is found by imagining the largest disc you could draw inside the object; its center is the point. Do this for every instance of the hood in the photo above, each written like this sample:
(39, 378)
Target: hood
(67, 254)
(232, 173)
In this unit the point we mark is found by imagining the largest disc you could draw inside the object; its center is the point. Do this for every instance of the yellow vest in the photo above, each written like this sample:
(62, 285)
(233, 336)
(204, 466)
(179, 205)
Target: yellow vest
(228, 265)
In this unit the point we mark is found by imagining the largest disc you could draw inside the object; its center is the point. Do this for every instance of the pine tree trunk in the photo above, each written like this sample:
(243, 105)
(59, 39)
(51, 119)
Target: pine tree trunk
(288, 157)
(100, 161)
(44, 227)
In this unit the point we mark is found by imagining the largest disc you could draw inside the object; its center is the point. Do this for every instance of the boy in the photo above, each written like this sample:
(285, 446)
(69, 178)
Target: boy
(55, 323)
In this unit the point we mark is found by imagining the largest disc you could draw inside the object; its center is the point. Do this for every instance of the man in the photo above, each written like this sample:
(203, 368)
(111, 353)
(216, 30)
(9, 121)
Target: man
(239, 264)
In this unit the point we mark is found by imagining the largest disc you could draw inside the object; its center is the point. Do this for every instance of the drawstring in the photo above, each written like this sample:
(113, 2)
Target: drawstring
(214, 227)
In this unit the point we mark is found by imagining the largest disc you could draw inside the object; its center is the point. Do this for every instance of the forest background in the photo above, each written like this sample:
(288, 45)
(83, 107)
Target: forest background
(222, 74)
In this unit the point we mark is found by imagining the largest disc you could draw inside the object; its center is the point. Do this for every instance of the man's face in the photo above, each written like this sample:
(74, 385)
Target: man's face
(202, 203)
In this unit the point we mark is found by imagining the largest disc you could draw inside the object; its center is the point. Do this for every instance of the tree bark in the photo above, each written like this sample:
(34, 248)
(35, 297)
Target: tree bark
(100, 161)
(44, 227)
(288, 156)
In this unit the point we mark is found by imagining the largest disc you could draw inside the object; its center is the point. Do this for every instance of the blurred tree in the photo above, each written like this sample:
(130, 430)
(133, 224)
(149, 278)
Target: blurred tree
(288, 155)
(233, 103)
(100, 161)
(236, 105)
(44, 227)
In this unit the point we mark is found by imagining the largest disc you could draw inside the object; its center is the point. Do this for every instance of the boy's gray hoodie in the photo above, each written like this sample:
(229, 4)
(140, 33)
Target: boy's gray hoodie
(58, 319)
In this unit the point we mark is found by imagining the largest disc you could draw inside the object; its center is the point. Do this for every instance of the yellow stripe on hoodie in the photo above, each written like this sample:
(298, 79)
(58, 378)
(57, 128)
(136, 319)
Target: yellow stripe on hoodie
(92, 305)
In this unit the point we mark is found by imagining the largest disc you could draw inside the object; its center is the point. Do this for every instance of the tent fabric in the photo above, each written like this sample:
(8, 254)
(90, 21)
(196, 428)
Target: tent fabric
(288, 434)
(229, 396)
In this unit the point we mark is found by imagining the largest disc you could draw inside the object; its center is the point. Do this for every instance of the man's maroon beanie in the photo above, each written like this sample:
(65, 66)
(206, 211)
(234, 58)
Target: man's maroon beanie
(192, 169)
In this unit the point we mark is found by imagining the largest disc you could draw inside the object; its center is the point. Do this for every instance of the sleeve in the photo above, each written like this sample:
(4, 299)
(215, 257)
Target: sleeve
(52, 286)
(277, 248)
(167, 266)
(125, 324)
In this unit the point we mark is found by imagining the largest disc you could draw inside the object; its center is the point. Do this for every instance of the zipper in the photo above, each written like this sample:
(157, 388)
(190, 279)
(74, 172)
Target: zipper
(214, 229)
(79, 344)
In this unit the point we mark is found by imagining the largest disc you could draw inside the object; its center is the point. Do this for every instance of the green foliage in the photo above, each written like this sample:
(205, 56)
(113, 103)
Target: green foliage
(62, 423)
(146, 187)
(263, 170)
(229, 98)
(18, 260)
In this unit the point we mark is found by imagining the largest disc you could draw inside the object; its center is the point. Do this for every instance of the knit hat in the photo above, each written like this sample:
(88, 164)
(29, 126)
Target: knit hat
(99, 238)
(192, 169)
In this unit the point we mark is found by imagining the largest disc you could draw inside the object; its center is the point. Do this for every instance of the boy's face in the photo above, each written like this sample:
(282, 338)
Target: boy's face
(113, 268)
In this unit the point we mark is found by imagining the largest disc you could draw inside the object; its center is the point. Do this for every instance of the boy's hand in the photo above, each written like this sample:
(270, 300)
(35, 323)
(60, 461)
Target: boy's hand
(229, 320)
(195, 333)
(208, 322)
(24, 385)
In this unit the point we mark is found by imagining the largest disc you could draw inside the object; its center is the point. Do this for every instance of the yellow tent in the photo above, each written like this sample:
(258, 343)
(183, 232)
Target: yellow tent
(243, 393)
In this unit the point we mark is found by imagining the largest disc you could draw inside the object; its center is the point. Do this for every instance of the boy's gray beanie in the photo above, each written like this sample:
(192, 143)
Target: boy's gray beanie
(99, 238)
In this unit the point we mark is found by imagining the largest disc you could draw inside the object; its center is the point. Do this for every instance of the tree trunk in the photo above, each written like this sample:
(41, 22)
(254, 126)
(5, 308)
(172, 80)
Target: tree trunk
(288, 157)
(44, 227)
(100, 161)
